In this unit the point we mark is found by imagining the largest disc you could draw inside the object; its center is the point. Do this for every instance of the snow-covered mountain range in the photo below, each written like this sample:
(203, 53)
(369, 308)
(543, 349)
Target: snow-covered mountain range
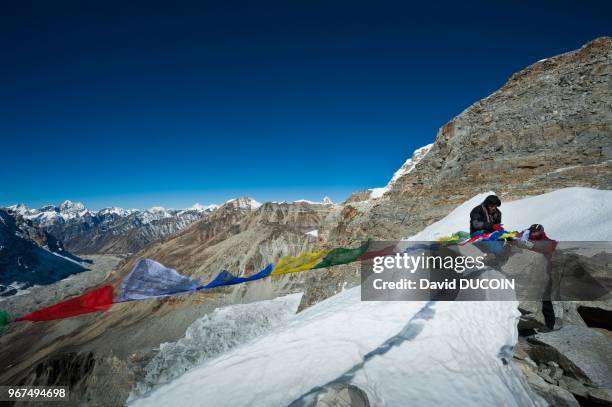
(67, 211)
(112, 229)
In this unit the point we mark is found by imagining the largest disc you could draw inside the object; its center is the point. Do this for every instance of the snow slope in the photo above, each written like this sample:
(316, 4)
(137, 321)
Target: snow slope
(428, 353)
(569, 214)
(399, 353)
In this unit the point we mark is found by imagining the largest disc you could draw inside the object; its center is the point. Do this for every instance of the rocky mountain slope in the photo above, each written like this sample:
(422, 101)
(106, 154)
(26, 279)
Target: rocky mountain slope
(548, 128)
(31, 256)
(110, 230)
(237, 237)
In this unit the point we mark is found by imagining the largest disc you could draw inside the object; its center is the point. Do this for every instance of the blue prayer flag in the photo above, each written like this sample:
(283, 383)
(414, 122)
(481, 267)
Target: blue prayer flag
(227, 278)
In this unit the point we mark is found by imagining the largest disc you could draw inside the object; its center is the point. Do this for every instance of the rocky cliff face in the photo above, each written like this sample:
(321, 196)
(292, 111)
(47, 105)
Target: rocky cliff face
(548, 127)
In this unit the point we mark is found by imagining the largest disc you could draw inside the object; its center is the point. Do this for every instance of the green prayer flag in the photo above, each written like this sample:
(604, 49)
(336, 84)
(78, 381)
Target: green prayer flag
(5, 319)
(342, 255)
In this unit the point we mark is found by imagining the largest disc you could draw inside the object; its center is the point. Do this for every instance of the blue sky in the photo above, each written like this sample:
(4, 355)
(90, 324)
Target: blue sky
(148, 104)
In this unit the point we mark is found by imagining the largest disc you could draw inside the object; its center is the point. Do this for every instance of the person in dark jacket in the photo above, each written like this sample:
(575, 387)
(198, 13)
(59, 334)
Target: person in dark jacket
(486, 218)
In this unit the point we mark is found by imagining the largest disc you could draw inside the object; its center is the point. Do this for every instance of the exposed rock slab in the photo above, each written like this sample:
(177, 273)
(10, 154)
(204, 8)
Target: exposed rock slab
(344, 396)
(581, 351)
(555, 395)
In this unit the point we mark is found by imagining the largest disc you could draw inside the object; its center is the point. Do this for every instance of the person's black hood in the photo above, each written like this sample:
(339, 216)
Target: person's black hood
(492, 200)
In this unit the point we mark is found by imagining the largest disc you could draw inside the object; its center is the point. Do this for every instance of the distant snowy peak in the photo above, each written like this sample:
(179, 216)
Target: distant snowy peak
(50, 214)
(196, 209)
(407, 168)
(153, 214)
(326, 201)
(114, 210)
(203, 208)
(158, 209)
(244, 203)
(21, 209)
(71, 207)
(159, 212)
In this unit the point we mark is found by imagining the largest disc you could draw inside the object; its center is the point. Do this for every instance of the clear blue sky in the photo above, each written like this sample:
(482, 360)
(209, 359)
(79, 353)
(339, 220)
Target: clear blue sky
(142, 104)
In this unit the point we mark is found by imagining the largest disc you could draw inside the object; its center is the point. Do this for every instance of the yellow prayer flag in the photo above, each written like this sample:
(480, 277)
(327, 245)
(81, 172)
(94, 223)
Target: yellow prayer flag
(302, 262)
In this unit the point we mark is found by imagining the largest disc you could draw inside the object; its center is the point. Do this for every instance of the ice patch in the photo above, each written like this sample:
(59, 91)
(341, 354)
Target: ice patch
(378, 192)
(314, 233)
(216, 333)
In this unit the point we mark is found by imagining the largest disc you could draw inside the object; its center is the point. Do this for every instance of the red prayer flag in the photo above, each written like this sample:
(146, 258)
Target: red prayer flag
(96, 300)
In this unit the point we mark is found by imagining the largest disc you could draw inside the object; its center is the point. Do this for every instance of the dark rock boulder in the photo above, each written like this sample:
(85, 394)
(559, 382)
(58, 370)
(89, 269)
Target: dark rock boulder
(582, 352)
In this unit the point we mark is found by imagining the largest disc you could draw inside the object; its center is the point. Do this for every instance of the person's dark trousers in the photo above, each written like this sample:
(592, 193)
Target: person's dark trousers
(547, 306)
(549, 314)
